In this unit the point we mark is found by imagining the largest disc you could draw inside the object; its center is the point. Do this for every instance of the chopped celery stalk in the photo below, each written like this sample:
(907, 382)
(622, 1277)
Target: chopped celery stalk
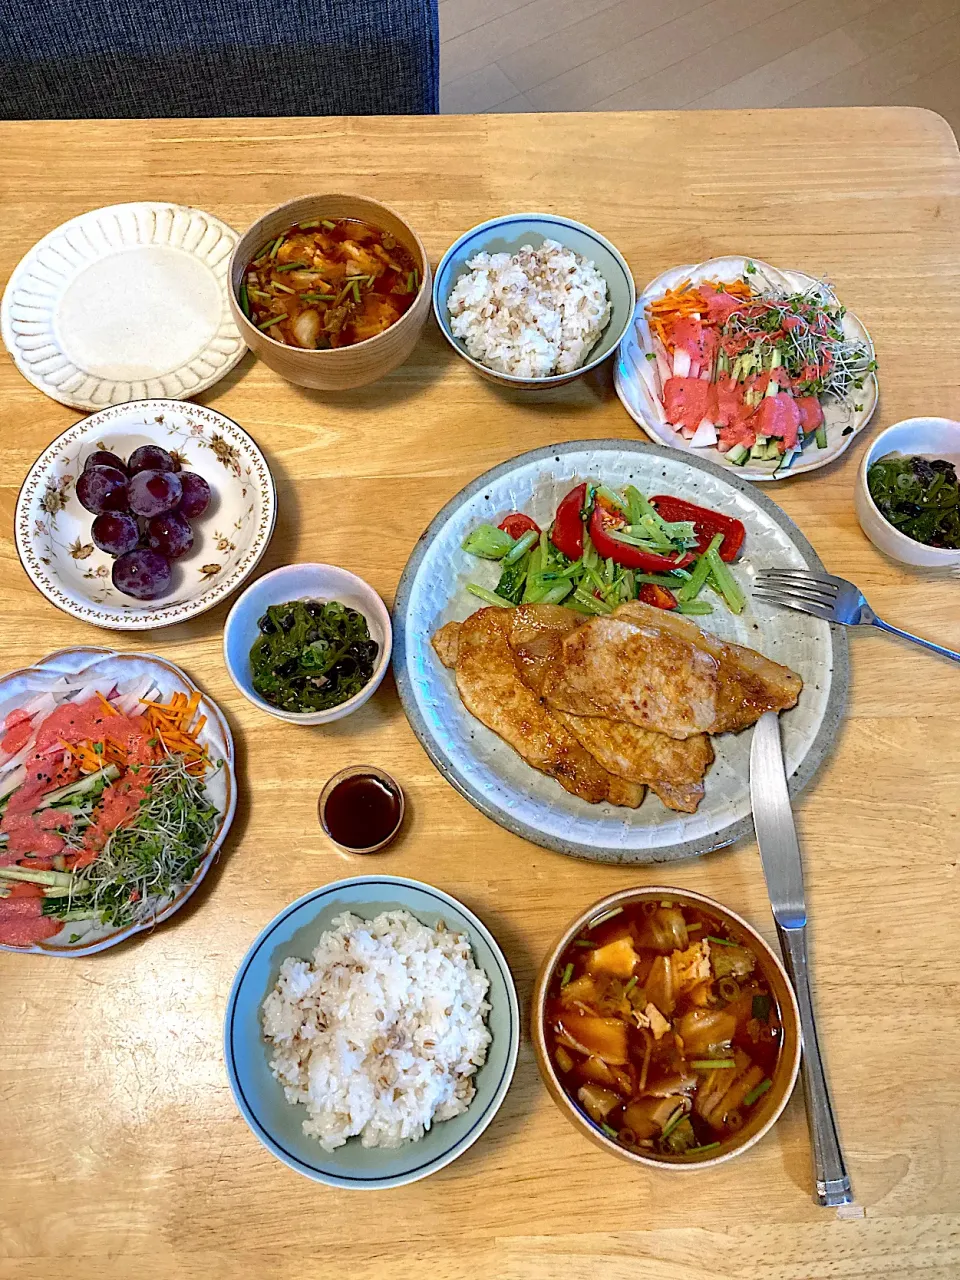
(488, 597)
(62, 879)
(603, 491)
(724, 580)
(776, 360)
(628, 586)
(637, 505)
(608, 572)
(590, 556)
(699, 608)
(659, 580)
(701, 571)
(74, 789)
(821, 436)
(513, 580)
(590, 602)
(772, 388)
(557, 593)
(534, 570)
(522, 544)
(488, 542)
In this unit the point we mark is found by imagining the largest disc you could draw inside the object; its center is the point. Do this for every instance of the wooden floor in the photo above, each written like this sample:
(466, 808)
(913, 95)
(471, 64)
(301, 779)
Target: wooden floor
(597, 55)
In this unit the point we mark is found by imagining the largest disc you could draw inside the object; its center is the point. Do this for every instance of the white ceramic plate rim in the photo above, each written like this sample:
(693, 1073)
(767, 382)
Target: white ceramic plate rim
(126, 388)
(176, 611)
(495, 1103)
(625, 376)
(65, 659)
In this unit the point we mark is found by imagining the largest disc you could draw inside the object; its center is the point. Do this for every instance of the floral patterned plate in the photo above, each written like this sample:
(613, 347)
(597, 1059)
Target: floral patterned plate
(53, 529)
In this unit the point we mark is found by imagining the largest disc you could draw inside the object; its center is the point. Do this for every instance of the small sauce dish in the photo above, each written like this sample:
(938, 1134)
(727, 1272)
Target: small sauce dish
(361, 809)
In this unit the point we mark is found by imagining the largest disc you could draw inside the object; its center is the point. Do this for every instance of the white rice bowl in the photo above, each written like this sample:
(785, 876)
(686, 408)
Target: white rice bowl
(533, 313)
(380, 1033)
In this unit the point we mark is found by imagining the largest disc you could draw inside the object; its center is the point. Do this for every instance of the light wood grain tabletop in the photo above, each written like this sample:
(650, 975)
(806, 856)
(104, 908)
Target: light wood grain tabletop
(121, 1151)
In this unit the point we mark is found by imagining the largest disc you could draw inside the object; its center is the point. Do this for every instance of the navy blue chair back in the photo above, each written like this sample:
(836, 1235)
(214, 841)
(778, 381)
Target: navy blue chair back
(74, 59)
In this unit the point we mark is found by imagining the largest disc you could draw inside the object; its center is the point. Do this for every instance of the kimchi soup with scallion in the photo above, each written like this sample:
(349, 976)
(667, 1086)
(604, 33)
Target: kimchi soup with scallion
(329, 284)
(663, 1029)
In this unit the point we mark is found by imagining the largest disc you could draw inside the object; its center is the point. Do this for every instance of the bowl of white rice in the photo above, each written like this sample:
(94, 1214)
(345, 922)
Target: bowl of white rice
(372, 1032)
(533, 300)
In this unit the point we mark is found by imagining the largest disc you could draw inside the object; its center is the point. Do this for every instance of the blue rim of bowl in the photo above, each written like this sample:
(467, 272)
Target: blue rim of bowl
(302, 718)
(367, 1182)
(736, 830)
(558, 221)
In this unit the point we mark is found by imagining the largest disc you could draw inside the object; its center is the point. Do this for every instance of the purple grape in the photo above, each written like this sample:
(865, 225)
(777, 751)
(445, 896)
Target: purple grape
(102, 489)
(150, 457)
(151, 493)
(196, 495)
(104, 458)
(142, 574)
(170, 535)
(115, 533)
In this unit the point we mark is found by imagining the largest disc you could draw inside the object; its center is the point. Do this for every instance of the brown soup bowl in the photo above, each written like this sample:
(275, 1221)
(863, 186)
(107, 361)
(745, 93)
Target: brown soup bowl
(339, 368)
(765, 1112)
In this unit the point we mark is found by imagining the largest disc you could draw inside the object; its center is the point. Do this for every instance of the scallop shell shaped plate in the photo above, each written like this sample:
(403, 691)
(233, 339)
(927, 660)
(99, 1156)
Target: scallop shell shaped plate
(124, 303)
(491, 775)
(637, 381)
(105, 668)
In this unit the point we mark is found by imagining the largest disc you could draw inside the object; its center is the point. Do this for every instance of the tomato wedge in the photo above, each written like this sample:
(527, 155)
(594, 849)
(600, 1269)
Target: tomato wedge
(603, 520)
(659, 597)
(706, 524)
(567, 532)
(517, 524)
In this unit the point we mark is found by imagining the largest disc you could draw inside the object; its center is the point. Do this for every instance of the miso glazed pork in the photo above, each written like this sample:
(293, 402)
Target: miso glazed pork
(614, 704)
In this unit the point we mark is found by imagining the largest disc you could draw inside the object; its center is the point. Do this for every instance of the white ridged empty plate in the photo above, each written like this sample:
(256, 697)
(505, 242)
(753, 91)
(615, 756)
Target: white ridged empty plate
(124, 303)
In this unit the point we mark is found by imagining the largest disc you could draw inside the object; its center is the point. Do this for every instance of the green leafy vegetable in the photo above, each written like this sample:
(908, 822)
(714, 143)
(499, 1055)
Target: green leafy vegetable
(310, 656)
(920, 497)
(488, 542)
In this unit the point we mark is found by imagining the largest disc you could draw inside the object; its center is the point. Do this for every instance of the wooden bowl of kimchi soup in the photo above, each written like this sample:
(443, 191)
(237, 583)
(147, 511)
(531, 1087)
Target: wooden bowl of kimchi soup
(330, 291)
(666, 1029)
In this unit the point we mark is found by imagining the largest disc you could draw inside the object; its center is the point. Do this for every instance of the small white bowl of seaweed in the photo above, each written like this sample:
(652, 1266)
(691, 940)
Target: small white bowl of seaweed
(308, 643)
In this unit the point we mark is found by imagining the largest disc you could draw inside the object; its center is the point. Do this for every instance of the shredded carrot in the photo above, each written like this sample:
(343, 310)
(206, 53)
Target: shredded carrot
(687, 300)
(107, 705)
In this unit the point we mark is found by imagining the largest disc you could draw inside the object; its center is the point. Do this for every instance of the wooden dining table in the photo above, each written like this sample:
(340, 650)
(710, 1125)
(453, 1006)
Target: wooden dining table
(122, 1152)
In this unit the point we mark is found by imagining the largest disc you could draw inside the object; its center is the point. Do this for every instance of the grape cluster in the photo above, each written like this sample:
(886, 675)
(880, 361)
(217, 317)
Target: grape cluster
(143, 507)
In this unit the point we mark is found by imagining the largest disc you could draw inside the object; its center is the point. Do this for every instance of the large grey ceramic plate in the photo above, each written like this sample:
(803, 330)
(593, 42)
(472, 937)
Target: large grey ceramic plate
(491, 775)
(278, 1124)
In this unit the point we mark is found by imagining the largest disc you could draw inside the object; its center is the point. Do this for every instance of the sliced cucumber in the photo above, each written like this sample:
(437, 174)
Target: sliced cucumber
(90, 783)
(738, 455)
(821, 436)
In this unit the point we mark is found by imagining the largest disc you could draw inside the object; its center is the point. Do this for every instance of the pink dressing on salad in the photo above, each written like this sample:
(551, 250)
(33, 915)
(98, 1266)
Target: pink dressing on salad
(37, 835)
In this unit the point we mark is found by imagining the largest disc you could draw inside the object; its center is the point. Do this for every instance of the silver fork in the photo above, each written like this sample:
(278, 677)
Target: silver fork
(834, 599)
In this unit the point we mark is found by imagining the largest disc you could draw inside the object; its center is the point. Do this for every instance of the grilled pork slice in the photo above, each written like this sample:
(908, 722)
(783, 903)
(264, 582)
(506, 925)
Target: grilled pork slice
(657, 670)
(490, 685)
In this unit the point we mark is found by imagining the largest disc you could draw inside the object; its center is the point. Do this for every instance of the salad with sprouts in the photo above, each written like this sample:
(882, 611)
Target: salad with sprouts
(104, 809)
(746, 365)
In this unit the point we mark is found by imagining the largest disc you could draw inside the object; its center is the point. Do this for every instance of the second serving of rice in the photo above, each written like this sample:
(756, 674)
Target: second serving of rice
(533, 313)
(381, 1032)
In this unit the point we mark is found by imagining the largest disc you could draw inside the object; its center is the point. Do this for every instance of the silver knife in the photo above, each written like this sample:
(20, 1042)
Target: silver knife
(783, 871)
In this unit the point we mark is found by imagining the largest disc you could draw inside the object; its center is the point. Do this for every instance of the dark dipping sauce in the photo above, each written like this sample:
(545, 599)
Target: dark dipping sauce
(361, 812)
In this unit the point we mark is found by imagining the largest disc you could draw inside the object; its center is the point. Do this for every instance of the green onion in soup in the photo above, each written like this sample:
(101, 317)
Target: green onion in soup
(329, 284)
